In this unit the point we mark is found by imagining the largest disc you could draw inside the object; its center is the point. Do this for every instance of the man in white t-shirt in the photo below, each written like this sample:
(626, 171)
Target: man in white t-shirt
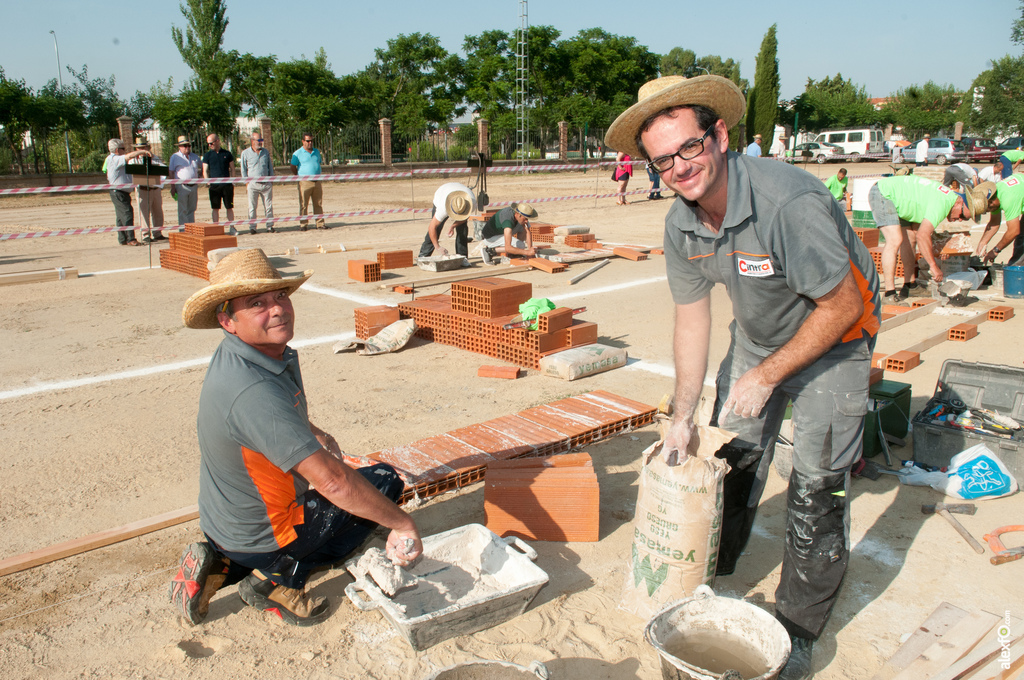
(185, 165)
(455, 201)
(921, 152)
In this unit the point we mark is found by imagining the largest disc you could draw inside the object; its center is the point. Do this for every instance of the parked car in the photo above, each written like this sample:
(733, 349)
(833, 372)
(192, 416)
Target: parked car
(941, 151)
(855, 141)
(819, 152)
(980, 149)
(1011, 143)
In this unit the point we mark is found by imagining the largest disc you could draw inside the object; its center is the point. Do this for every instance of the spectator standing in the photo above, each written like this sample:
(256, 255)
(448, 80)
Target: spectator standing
(754, 148)
(623, 171)
(778, 149)
(151, 199)
(921, 152)
(124, 216)
(655, 191)
(185, 165)
(255, 162)
(219, 162)
(306, 162)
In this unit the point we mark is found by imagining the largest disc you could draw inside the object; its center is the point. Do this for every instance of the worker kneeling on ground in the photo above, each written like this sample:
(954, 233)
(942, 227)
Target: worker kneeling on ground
(904, 205)
(508, 232)
(455, 201)
(260, 455)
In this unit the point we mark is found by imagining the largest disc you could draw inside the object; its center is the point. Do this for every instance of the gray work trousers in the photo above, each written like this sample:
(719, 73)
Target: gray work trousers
(256, 191)
(830, 399)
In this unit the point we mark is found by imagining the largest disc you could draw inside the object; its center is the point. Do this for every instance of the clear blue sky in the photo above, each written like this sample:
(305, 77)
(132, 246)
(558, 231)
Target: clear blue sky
(882, 45)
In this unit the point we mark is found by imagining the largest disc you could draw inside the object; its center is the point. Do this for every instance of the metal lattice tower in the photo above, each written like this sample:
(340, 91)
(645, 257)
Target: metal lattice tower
(522, 86)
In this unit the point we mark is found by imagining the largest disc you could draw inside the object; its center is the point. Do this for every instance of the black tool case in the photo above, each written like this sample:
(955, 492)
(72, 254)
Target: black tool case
(978, 385)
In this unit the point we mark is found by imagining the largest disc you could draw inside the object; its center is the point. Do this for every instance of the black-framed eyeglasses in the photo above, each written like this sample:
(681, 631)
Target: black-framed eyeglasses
(307, 140)
(686, 152)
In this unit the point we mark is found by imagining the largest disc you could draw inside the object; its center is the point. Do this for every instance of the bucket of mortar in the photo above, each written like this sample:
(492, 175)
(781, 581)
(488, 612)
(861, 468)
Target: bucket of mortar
(491, 670)
(702, 637)
(1013, 282)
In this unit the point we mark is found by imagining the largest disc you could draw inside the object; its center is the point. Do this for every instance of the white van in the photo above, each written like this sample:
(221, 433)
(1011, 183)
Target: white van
(855, 141)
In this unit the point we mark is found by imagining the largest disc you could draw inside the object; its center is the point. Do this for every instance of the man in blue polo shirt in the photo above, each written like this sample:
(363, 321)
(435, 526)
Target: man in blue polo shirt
(804, 294)
(276, 496)
(306, 162)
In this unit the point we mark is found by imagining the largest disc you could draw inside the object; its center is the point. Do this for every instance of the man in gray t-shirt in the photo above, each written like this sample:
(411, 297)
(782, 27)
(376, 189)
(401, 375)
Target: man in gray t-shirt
(121, 196)
(266, 529)
(805, 304)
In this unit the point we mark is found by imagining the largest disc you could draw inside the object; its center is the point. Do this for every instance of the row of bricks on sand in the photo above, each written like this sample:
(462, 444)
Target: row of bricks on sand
(903, 361)
(526, 498)
(474, 317)
(870, 239)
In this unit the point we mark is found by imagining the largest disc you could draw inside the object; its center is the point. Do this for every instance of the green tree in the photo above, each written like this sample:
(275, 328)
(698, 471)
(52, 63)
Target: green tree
(763, 98)
(924, 108)
(834, 102)
(191, 112)
(200, 44)
(1017, 30)
(306, 95)
(683, 62)
(15, 115)
(997, 108)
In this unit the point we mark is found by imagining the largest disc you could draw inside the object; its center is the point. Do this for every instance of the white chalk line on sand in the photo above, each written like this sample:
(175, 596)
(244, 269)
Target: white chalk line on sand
(147, 371)
(322, 290)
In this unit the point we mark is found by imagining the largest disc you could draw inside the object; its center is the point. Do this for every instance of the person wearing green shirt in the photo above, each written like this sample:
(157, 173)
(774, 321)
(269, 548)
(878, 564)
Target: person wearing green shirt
(836, 184)
(1006, 199)
(1010, 159)
(904, 205)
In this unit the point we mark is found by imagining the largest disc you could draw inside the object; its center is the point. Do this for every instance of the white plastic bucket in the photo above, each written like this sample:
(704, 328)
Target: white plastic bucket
(861, 186)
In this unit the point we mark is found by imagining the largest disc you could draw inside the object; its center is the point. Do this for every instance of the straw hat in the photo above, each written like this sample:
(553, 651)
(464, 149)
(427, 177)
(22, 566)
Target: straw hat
(246, 272)
(977, 198)
(141, 143)
(182, 140)
(458, 204)
(719, 94)
(525, 209)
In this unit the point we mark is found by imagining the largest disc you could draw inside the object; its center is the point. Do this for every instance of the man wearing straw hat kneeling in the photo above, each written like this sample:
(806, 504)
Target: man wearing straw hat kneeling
(276, 499)
(804, 294)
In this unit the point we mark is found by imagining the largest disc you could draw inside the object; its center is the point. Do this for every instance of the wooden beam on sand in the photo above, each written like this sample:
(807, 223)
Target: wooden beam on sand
(942, 336)
(91, 542)
(38, 276)
(901, 319)
(423, 283)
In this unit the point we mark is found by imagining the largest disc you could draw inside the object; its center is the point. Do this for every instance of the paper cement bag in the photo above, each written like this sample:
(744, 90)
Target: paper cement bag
(390, 339)
(677, 526)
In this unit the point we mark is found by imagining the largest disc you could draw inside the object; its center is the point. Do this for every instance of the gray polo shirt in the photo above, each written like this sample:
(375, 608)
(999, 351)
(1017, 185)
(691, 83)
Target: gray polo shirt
(255, 164)
(253, 430)
(502, 220)
(784, 242)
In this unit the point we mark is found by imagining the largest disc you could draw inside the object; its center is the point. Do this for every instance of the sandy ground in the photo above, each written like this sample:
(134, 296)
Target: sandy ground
(99, 395)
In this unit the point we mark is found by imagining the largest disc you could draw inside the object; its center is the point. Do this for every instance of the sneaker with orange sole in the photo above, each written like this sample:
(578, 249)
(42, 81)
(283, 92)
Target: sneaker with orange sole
(200, 575)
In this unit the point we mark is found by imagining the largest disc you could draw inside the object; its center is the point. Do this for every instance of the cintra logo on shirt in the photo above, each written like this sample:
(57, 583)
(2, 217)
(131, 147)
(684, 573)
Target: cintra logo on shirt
(754, 267)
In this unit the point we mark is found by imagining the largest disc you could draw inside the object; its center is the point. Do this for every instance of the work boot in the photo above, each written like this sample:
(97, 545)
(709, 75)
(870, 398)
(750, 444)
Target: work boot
(799, 665)
(291, 604)
(914, 289)
(891, 298)
(488, 255)
(201, 574)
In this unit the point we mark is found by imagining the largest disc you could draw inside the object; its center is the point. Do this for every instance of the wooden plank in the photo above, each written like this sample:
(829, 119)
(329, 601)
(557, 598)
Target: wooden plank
(957, 641)
(423, 283)
(889, 324)
(98, 540)
(38, 276)
(941, 337)
(942, 619)
(983, 656)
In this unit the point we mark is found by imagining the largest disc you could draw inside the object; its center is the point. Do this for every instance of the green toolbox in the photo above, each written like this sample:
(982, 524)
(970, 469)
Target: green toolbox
(888, 408)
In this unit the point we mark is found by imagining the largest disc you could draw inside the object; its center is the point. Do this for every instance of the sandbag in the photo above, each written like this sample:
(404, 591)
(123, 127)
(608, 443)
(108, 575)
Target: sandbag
(678, 525)
(580, 362)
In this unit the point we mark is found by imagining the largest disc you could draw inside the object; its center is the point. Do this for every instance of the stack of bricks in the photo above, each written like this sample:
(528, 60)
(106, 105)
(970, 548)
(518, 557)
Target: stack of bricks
(372, 320)
(630, 254)
(395, 259)
(876, 255)
(869, 237)
(363, 270)
(579, 240)
(542, 232)
(474, 317)
(187, 252)
(554, 498)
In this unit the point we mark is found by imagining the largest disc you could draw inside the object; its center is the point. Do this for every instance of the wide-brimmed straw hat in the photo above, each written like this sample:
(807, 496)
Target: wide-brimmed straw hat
(977, 198)
(458, 204)
(141, 142)
(525, 209)
(719, 94)
(246, 272)
(184, 140)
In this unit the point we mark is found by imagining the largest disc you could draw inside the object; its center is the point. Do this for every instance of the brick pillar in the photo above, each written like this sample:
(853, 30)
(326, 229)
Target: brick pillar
(385, 141)
(958, 131)
(483, 136)
(563, 140)
(887, 135)
(268, 141)
(124, 130)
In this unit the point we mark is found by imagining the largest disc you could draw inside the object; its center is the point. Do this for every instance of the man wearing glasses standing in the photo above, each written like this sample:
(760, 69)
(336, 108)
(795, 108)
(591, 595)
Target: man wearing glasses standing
(907, 205)
(306, 161)
(219, 162)
(185, 165)
(255, 162)
(804, 294)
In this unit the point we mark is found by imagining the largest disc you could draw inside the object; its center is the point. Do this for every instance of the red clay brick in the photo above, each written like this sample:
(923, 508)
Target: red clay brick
(963, 332)
(878, 359)
(395, 259)
(546, 265)
(1000, 313)
(901, 362)
(555, 320)
(505, 372)
(406, 290)
(875, 375)
(920, 302)
(363, 270)
(630, 254)
(203, 229)
(868, 236)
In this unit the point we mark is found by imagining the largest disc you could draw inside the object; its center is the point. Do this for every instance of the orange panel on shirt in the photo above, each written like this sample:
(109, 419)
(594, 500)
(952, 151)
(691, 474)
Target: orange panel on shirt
(868, 322)
(277, 489)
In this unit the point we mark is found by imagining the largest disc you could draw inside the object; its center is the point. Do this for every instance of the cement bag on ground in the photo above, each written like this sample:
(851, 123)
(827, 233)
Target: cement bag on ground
(580, 362)
(677, 527)
(390, 339)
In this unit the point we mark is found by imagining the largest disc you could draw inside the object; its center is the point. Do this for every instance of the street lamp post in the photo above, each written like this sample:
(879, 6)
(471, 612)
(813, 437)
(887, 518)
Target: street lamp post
(60, 81)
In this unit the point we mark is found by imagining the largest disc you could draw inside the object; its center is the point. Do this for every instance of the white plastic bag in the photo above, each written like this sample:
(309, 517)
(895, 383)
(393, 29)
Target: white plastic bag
(972, 474)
